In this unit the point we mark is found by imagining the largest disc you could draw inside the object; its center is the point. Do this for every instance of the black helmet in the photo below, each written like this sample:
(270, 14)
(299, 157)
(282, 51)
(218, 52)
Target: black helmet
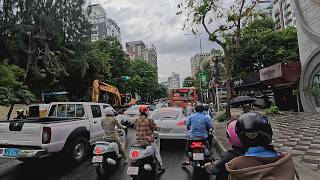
(205, 107)
(199, 108)
(254, 130)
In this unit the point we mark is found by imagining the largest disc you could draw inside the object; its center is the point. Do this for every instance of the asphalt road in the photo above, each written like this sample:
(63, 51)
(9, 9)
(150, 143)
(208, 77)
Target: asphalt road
(53, 168)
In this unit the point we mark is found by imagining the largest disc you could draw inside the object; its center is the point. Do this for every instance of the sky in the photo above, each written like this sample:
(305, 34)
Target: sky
(155, 22)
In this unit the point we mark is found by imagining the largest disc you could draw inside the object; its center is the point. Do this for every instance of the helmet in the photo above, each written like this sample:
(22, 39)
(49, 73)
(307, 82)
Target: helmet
(144, 109)
(205, 107)
(232, 135)
(20, 111)
(199, 108)
(189, 104)
(254, 130)
(109, 111)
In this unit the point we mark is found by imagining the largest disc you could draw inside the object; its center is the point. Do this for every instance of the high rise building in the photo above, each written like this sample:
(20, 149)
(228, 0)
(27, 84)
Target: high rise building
(283, 13)
(174, 80)
(101, 25)
(196, 62)
(263, 7)
(138, 50)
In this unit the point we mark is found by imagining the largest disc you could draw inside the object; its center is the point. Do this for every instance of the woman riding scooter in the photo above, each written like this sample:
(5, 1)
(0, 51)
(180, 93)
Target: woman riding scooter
(109, 124)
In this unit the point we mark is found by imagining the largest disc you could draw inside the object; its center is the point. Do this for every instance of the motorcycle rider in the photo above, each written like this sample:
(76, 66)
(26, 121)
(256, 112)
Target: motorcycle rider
(20, 114)
(261, 159)
(199, 125)
(218, 167)
(109, 124)
(189, 109)
(145, 128)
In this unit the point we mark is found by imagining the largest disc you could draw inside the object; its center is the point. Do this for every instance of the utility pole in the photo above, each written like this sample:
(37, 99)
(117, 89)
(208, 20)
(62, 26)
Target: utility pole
(216, 83)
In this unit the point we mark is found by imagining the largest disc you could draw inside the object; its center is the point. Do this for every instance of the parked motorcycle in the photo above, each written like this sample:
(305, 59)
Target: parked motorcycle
(143, 163)
(106, 154)
(198, 153)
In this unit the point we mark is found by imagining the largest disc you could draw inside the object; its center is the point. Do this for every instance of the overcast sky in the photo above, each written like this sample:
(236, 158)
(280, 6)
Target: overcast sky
(155, 22)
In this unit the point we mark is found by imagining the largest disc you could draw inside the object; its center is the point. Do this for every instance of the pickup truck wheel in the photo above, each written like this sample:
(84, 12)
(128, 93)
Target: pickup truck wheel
(79, 149)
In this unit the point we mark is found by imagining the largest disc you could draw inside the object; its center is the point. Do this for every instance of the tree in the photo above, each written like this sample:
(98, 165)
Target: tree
(263, 45)
(12, 90)
(228, 21)
(144, 80)
(189, 82)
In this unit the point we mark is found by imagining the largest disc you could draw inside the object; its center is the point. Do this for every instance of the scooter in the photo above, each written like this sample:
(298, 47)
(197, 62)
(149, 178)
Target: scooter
(106, 154)
(143, 163)
(198, 153)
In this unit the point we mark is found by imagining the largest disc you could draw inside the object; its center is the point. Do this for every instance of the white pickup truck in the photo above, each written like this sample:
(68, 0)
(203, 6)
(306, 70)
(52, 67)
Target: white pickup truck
(68, 129)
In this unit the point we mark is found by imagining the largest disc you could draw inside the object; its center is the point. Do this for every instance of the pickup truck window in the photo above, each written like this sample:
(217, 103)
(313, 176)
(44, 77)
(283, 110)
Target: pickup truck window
(71, 110)
(96, 111)
(80, 110)
(61, 111)
(53, 111)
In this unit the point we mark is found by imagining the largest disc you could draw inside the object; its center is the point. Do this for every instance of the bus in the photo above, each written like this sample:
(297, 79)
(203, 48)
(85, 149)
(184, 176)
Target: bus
(180, 97)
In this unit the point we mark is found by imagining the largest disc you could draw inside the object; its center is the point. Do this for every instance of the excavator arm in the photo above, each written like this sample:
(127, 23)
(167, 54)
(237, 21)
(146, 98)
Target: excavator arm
(98, 86)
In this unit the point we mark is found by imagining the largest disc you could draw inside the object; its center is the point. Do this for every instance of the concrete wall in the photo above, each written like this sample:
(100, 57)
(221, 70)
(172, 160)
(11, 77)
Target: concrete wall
(308, 24)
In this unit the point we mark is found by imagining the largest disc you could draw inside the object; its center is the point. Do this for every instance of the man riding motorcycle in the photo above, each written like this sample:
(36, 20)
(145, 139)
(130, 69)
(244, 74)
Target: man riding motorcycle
(145, 128)
(109, 124)
(199, 125)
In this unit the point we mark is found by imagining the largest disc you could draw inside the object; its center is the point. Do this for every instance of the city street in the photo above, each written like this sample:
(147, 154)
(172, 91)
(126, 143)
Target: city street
(54, 169)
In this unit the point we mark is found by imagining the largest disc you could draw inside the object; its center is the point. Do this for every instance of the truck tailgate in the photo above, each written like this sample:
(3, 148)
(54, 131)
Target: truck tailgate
(20, 133)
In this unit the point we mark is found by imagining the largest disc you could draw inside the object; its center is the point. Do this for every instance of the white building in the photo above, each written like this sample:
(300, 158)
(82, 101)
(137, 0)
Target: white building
(196, 62)
(174, 80)
(263, 7)
(308, 26)
(101, 25)
(283, 13)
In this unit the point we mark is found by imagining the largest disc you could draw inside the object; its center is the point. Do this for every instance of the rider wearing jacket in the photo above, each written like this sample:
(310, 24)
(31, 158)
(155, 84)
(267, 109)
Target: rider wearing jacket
(261, 161)
(109, 124)
(145, 128)
(218, 168)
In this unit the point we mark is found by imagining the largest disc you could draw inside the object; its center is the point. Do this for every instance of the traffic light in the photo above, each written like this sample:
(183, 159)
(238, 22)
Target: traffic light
(126, 78)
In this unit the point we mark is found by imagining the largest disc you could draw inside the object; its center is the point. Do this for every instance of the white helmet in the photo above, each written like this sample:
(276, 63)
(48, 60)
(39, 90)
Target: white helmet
(109, 111)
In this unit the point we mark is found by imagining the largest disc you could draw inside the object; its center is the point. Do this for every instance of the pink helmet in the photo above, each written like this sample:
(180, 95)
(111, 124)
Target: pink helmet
(232, 135)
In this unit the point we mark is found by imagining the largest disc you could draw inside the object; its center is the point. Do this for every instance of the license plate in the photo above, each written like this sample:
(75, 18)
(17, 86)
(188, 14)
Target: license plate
(165, 130)
(133, 171)
(198, 156)
(10, 152)
(97, 159)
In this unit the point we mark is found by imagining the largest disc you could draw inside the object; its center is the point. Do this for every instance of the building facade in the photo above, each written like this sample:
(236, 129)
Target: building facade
(174, 80)
(138, 50)
(101, 25)
(196, 62)
(283, 13)
(308, 26)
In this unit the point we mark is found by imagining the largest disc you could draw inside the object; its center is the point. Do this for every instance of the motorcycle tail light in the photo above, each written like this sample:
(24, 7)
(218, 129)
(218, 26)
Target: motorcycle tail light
(196, 144)
(134, 154)
(98, 150)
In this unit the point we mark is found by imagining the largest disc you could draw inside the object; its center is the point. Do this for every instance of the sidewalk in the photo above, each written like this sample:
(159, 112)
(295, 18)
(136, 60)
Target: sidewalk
(296, 133)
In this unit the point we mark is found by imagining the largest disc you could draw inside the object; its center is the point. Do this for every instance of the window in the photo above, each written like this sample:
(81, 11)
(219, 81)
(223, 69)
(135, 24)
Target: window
(61, 111)
(96, 111)
(53, 111)
(105, 106)
(79, 110)
(71, 110)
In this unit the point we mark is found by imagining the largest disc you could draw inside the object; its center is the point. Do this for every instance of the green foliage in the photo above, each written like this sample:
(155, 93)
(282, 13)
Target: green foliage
(11, 88)
(313, 89)
(272, 110)
(262, 46)
(221, 117)
(189, 82)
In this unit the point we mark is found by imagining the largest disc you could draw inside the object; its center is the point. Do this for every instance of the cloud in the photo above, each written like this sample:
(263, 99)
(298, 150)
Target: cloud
(155, 22)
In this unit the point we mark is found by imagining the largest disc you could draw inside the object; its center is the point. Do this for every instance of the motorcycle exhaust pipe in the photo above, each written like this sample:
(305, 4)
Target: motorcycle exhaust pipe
(111, 162)
(147, 167)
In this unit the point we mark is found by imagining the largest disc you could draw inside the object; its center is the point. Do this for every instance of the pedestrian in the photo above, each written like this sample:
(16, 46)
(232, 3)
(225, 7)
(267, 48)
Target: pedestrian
(218, 168)
(109, 124)
(145, 128)
(261, 161)
(189, 109)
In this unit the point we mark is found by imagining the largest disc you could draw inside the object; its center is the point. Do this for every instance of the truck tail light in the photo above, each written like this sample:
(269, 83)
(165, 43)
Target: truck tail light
(46, 135)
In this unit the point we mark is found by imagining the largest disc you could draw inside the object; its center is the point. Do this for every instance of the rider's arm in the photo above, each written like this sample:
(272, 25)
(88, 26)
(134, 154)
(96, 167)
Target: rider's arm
(188, 123)
(120, 126)
(208, 122)
(153, 125)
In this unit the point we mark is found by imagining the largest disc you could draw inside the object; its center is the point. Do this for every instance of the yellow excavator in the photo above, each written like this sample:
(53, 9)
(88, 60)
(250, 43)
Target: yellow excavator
(119, 100)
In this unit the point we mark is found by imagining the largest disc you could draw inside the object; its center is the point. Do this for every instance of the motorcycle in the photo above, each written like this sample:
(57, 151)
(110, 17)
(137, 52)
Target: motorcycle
(106, 154)
(143, 163)
(198, 153)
